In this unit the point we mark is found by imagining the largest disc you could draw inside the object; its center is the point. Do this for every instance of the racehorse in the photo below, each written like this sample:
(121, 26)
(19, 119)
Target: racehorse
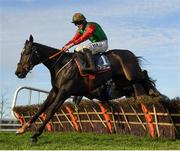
(67, 80)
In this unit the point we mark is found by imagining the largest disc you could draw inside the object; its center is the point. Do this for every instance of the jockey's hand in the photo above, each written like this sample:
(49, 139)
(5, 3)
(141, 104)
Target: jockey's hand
(65, 48)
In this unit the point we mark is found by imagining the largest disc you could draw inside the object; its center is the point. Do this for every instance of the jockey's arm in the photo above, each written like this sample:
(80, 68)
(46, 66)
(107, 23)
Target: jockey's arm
(88, 33)
(71, 42)
(78, 38)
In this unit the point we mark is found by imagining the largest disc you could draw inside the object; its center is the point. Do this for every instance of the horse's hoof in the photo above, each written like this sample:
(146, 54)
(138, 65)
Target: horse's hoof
(23, 128)
(33, 140)
(20, 131)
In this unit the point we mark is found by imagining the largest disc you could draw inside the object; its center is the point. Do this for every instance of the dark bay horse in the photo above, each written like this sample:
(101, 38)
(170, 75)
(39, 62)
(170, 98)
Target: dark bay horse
(67, 81)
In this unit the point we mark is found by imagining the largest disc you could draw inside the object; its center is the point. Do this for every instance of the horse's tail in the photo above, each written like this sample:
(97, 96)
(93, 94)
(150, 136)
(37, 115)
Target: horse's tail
(141, 60)
(148, 82)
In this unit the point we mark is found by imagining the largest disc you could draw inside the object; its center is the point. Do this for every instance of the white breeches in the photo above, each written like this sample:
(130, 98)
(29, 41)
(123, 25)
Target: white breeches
(96, 47)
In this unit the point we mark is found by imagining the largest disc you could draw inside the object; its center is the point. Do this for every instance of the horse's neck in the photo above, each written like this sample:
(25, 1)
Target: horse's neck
(45, 51)
(56, 62)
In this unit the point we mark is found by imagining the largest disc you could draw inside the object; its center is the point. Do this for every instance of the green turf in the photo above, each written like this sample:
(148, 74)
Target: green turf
(82, 141)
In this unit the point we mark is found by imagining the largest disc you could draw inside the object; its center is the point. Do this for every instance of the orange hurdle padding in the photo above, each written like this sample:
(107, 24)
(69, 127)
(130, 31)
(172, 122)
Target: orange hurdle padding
(73, 118)
(48, 125)
(149, 120)
(106, 116)
(20, 118)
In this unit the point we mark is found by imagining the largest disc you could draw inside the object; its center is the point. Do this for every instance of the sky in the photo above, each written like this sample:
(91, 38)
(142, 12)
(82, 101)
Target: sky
(148, 28)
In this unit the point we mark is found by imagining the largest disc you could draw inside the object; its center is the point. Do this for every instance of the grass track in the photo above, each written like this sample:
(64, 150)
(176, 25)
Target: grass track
(82, 141)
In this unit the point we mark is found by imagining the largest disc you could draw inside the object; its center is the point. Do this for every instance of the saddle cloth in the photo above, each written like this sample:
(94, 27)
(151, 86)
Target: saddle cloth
(101, 62)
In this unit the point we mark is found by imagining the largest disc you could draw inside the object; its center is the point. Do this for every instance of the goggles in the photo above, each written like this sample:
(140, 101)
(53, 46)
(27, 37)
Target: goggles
(77, 23)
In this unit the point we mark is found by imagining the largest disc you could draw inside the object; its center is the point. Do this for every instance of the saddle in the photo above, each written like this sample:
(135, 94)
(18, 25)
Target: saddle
(101, 61)
(102, 64)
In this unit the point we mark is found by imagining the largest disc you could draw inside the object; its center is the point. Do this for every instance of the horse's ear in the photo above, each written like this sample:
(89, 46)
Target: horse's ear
(26, 42)
(31, 38)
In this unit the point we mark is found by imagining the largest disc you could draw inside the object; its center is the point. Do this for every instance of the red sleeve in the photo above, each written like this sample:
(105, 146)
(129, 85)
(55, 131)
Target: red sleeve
(89, 31)
(76, 36)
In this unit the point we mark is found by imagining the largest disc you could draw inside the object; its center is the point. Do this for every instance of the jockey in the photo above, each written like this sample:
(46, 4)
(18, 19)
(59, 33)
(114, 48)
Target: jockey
(93, 32)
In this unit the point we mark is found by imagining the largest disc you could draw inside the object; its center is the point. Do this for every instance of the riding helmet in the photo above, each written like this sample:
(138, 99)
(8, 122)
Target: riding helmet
(77, 17)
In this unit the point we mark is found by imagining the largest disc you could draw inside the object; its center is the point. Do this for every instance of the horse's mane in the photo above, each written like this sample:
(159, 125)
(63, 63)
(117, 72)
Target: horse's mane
(51, 48)
(48, 47)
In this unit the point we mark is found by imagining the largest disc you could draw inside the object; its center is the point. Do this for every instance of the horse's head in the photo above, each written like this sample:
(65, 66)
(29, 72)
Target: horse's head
(29, 58)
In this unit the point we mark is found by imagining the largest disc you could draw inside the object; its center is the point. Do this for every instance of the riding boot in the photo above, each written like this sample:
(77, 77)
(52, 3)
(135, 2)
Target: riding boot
(92, 68)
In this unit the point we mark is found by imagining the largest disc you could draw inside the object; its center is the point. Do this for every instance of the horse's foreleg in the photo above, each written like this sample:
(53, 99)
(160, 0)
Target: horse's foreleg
(42, 108)
(59, 100)
(77, 100)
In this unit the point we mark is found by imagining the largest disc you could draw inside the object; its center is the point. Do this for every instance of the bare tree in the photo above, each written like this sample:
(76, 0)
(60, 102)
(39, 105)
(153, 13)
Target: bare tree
(4, 107)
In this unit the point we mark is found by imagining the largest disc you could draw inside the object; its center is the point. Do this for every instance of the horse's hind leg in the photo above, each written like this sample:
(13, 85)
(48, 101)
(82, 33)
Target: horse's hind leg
(149, 85)
(76, 101)
(136, 79)
(138, 90)
(132, 72)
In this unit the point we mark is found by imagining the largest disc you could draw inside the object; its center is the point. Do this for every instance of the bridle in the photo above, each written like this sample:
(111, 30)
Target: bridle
(60, 53)
(35, 52)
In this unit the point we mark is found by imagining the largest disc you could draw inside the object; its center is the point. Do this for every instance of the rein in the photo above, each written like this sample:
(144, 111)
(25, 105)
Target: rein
(62, 68)
(51, 57)
(60, 53)
(54, 55)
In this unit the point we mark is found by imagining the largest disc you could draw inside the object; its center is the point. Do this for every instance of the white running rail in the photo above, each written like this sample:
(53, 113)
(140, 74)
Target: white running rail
(30, 89)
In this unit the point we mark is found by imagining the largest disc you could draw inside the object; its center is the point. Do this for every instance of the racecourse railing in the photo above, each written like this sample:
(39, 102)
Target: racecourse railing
(9, 125)
(29, 96)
